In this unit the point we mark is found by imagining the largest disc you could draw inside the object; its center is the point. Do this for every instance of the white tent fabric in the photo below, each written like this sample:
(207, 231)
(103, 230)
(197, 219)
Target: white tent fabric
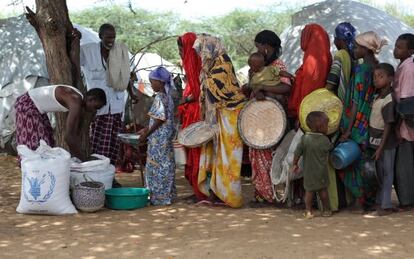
(145, 63)
(332, 12)
(22, 66)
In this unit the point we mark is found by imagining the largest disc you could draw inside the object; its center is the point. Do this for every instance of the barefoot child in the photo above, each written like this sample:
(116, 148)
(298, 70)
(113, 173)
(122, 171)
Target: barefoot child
(314, 147)
(382, 136)
(160, 166)
(263, 77)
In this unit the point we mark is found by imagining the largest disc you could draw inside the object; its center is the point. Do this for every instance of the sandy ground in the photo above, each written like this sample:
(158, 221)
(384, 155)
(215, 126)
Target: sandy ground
(187, 231)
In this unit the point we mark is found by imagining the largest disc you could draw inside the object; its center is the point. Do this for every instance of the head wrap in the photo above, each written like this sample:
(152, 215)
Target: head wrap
(270, 38)
(190, 112)
(191, 64)
(371, 41)
(163, 75)
(316, 64)
(208, 48)
(346, 32)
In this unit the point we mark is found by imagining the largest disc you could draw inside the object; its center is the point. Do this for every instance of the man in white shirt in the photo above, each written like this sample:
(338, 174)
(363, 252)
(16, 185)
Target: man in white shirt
(105, 65)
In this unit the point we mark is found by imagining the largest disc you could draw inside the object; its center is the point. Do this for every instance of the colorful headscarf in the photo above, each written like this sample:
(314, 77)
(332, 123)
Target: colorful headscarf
(163, 75)
(371, 40)
(208, 48)
(346, 32)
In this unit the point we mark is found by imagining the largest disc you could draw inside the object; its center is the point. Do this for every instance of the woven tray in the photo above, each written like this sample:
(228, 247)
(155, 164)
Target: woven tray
(321, 100)
(262, 123)
(196, 134)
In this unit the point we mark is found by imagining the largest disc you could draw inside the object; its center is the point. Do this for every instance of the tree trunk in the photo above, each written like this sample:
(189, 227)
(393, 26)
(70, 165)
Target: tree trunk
(54, 28)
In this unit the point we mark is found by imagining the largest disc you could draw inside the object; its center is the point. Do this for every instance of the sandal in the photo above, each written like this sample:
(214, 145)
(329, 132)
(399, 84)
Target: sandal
(204, 202)
(308, 215)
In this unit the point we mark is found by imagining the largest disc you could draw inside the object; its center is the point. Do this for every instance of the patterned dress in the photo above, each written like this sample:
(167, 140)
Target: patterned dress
(160, 166)
(221, 159)
(361, 93)
(261, 160)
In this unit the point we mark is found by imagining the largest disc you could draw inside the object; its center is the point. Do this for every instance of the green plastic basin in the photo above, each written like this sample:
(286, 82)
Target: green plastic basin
(126, 198)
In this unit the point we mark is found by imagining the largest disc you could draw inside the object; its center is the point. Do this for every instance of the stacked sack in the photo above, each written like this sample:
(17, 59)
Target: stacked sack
(45, 181)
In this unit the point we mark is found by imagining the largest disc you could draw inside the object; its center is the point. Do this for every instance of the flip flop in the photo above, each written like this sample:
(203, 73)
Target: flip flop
(204, 202)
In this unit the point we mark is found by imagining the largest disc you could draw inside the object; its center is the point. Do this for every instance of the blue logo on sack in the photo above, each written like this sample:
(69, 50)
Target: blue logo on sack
(33, 186)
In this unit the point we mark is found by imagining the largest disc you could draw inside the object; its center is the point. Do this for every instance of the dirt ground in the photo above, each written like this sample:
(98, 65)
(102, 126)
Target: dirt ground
(187, 231)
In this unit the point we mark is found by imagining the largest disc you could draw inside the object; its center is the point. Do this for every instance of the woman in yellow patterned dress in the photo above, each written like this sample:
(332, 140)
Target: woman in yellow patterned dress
(221, 159)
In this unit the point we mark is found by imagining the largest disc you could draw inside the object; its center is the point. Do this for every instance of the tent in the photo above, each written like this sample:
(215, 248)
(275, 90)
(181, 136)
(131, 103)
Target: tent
(329, 14)
(144, 63)
(332, 12)
(22, 66)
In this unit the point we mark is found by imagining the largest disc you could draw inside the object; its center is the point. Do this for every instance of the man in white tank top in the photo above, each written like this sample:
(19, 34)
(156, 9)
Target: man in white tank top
(32, 123)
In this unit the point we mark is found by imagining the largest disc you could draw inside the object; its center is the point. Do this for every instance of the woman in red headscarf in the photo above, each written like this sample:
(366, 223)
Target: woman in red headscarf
(189, 109)
(315, 68)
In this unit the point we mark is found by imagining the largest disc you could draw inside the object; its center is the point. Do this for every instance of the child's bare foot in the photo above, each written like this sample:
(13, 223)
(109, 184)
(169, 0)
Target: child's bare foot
(326, 213)
(308, 215)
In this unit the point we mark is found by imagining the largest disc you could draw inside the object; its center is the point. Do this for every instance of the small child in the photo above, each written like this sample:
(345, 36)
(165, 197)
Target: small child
(314, 147)
(262, 77)
(382, 135)
(160, 166)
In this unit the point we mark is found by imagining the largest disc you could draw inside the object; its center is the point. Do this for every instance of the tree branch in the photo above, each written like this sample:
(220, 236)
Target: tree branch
(131, 61)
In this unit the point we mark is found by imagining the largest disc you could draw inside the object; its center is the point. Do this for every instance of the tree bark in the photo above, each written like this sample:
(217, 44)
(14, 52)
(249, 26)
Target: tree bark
(53, 26)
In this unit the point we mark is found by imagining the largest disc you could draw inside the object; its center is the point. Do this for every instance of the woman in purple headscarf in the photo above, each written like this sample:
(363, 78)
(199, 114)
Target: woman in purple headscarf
(341, 69)
(338, 81)
(160, 166)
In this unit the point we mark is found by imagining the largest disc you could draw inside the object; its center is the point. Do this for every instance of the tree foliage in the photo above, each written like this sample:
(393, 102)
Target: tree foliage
(140, 27)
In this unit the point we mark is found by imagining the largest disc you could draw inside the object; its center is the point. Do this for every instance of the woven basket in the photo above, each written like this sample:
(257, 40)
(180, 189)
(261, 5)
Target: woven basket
(196, 134)
(262, 124)
(325, 101)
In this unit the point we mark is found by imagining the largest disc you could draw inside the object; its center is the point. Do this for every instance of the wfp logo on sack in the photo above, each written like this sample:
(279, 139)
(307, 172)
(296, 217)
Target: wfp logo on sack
(38, 189)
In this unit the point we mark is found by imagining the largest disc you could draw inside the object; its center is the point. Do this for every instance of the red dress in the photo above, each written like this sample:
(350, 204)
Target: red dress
(190, 112)
(261, 159)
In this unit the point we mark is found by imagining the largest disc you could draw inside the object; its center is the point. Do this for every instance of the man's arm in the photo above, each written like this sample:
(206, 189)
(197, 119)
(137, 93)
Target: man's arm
(73, 102)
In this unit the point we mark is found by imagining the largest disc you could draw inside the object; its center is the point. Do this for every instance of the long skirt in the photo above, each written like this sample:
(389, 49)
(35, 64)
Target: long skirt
(261, 161)
(31, 125)
(363, 190)
(221, 159)
(104, 135)
(404, 173)
(160, 171)
(191, 171)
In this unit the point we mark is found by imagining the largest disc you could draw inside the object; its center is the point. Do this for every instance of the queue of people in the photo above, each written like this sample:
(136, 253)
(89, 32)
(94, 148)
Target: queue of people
(372, 93)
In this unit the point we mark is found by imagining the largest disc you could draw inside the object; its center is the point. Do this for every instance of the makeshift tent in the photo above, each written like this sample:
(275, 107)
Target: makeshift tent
(22, 66)
(332, 12)
(329, 14)
(144, 63)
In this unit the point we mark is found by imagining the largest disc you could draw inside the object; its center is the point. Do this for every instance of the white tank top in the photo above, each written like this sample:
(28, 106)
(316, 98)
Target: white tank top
(45, 100)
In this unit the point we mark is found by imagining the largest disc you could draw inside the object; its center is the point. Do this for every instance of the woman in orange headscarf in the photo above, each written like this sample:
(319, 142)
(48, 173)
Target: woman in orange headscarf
(189, 109)
(315, 68)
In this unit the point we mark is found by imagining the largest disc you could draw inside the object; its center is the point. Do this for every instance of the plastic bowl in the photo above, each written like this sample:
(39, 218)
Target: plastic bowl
(126, 198)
